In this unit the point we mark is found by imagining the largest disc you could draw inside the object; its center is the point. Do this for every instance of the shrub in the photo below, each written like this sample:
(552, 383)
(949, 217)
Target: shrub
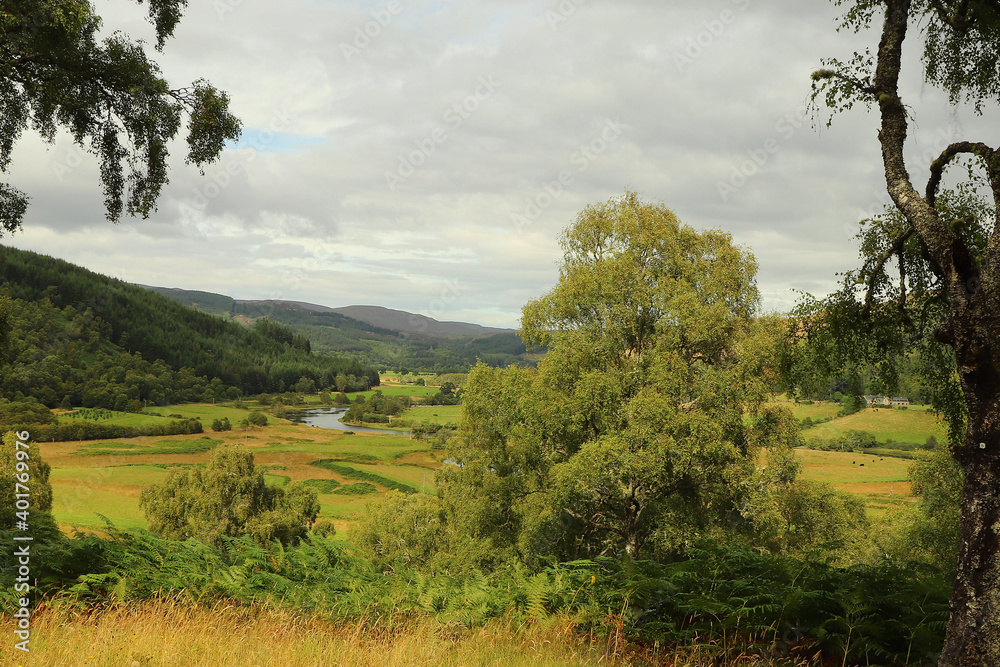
(227, 498)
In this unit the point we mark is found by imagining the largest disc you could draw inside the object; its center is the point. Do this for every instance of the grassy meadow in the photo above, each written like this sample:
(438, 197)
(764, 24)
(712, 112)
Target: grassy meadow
(434, 414)
(94, 478)
(909, 426)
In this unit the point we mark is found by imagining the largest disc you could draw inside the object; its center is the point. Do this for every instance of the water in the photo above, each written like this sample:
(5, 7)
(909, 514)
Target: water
(330, 418)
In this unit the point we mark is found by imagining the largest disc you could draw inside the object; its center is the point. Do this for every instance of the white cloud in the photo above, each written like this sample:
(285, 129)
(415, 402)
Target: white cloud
(699, 88)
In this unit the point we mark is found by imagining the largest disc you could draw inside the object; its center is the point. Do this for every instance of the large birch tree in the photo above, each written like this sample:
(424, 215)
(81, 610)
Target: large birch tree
(952, 241)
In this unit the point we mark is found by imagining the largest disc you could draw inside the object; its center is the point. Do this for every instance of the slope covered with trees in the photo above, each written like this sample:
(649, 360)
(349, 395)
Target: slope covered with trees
(86, 339)
(338, 334)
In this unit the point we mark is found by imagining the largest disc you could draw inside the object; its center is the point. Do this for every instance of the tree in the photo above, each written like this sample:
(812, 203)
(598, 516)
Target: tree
(55, 73)
(943, 244)
(255, 418)
(20, 462)
(631, 435)
(305, 385)
(227, 498)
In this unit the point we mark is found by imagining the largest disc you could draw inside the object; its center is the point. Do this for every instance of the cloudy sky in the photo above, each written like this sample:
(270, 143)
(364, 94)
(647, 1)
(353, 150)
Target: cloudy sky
(425, 154)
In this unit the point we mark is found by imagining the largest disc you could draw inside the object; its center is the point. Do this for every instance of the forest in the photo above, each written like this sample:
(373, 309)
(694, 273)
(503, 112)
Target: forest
(84, 339)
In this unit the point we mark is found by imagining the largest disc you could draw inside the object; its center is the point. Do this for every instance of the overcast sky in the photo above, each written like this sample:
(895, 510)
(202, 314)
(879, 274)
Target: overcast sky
(426, 154)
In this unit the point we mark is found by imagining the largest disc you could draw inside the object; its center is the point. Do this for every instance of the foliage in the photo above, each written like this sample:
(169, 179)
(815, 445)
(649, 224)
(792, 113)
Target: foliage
(402, 531)
(255, 418)
(448, 394)
(886, 332)
(55, 73)
(105, 343)
(942, 245)
(87, 430)
(376, 408)
(932, 537)
(228, 498)
(728, 600)
(631, 435)
(221, 424)
(334, 333)
(22, 471)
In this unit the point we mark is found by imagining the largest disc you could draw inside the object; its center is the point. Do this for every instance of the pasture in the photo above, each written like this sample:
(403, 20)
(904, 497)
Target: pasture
(909, 426)
(814, 411)
(433, 414)
(94, 478)
(105, 477)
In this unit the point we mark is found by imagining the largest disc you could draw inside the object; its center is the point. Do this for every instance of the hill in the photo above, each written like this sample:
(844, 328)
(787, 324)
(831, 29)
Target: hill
(412, 323)
(372, 335)
(86, 339)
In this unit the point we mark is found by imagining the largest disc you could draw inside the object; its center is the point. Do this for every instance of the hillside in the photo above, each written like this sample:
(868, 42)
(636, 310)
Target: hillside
(412, 323)
(87, 339)
(376, 336)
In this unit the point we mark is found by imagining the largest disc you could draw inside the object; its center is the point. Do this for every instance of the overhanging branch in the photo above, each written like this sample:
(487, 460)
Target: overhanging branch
(979, 149)
(957, 20)
(895, 248)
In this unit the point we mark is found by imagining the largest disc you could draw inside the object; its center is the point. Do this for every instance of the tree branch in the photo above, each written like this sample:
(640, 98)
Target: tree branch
(863, 86)
(895, 248)
(978, 149)
(958, 20)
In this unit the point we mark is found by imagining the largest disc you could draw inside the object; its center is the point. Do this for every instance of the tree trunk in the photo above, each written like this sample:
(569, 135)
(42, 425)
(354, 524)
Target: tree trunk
(973, 636)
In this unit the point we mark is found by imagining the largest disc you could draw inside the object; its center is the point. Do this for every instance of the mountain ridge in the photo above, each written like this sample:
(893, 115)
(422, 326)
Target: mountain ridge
(382, 317)
(374, 335)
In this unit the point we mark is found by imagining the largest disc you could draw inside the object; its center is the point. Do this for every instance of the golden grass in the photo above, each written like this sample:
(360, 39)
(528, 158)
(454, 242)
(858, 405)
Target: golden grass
(881, 482)
(167, 633)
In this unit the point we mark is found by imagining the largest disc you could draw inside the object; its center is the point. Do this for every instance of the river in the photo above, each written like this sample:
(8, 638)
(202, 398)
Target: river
(330, 418)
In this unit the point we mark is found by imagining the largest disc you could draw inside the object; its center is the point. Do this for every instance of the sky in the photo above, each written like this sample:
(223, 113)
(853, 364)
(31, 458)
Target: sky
(425, 155)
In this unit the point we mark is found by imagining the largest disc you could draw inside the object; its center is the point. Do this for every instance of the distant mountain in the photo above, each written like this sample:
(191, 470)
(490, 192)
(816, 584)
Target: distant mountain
(386, 319)
(373, 335)
(412, 323)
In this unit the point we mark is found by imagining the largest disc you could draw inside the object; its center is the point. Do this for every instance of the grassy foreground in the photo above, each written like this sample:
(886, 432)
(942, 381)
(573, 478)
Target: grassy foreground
(166, 633)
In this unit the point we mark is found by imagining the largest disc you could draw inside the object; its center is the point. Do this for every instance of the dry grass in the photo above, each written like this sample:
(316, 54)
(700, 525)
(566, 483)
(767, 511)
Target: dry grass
(161, 633)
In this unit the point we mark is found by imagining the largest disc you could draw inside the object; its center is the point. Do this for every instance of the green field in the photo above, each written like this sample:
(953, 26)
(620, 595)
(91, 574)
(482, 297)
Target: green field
(882, 481)
(137, 419)
(818, 410)
(206, 412)
(105, 477)
(132, 447)
(434, 414)
(909, 426)
(79, 495)
(398, 390)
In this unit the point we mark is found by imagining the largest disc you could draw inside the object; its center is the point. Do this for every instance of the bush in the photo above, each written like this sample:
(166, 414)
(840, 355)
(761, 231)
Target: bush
(324, 528)
(257, 418)
(227, 498)
(221, 424)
